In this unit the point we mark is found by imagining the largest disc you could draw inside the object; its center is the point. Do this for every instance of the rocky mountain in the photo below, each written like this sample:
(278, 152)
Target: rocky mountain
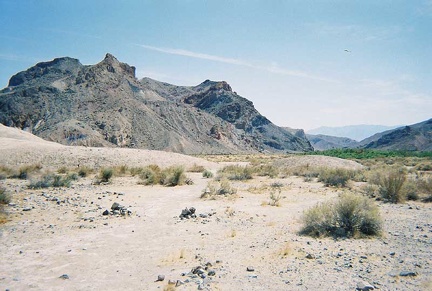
(323, 142)
(416, 137)
(106, 105)
(355, 132)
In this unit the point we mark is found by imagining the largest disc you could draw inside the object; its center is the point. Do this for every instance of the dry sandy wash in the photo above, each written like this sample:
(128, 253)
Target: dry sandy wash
(240, 242)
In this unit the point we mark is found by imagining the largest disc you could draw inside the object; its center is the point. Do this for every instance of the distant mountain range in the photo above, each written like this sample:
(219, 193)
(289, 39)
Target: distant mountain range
(106, 105)
(416, 137)
(355, 132)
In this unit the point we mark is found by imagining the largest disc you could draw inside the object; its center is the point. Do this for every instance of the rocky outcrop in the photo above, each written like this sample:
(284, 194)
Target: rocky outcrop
(105, 105)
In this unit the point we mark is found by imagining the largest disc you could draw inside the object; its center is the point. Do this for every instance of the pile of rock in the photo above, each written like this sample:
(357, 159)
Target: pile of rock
(188, 213)
(117, 209)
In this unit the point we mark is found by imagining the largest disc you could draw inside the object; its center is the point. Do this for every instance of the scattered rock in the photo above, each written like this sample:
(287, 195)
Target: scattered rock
(211, 272)
(179, 283)
(106, 212)
(250, 269)
(408, 274)
(188, 213)
(364, 286)
(115, 206)
(310, 256)
(27, 209)
(64, 277)
(160, 278)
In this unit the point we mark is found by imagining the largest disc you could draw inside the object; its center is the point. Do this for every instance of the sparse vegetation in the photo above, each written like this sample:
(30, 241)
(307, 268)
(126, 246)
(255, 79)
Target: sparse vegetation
(5, 197)
(25, 171)
(172, 176)
(350, 216)
(235, 172)
(50, 180)
(207, 174)
(275, 195)
(84, 171)
(391, 186)
(196, 169)
(361, 154)
(214, 188)
(335, 177)
(105, 175)
(425, 186)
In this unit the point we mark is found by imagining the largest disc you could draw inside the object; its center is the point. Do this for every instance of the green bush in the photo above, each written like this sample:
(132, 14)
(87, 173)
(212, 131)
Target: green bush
(335, 177)
(391, 186)
(350, 216)
(106, 175)
(84, 171)
(207, 174)
(5, 197)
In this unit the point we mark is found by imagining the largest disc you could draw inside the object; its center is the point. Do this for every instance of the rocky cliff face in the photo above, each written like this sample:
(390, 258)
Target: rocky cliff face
(105, 105)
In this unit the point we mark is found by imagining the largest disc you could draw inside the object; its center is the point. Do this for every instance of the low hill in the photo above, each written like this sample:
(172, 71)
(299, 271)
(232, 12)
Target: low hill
(322, 142)
(355, 132)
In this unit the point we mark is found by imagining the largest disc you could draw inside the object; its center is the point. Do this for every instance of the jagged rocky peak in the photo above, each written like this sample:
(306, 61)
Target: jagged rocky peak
(114, 66)
(214, 85)
(64, 65)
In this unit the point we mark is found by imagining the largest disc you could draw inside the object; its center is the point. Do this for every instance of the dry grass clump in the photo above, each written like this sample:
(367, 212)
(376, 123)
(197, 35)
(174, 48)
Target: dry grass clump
(84, 171)
(105, 175)
(50, 180)
(305, 171)
(172, 176)
(215, 188)
(5, 197)
(350, 216)
(335, 177)
(196, 169)
(121, 170)
(391, 186)
(425, 185)
(236, 172)
(24, 172)
(266, 170)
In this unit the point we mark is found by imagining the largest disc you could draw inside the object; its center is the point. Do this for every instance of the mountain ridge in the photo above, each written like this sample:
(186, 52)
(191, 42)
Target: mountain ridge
(106, 105)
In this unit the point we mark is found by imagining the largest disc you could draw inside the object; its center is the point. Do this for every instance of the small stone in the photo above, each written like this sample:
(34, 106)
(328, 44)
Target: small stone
(115, 206)
(310, 256)
(211, 272)
(364, 286)
(392, 253)
(179, 283)
(250, 269)
(64, 277)
(106, 212)
(408, 274)
(27, 209)
(160, 278)
(171, 282)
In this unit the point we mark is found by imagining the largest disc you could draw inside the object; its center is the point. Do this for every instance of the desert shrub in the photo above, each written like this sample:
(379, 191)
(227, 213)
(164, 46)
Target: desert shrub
(72, 176)
(335, 177)
(6, 172)
(121, 170)
(50, 180)
(391, 186)
(173, 176)
(410, 190)
(236, 172)
(84, 171)
(207, 174)
(218, 188)
(5, 197)
(370, 190)
(196, 168)
(105, 175)
(266, 170)
(25, 171)
(150, 175)
(136, 171)
(425, 185)
(350, 216)
(275, 194)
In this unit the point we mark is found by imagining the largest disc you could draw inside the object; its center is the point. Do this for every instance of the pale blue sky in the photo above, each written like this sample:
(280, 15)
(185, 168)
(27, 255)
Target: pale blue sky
(288, 57)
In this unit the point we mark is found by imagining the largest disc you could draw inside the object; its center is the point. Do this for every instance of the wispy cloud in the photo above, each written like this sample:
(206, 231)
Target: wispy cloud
(238, 62)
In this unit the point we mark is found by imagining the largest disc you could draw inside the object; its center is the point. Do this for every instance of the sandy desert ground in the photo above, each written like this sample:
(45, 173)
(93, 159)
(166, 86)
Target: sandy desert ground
(59, 239)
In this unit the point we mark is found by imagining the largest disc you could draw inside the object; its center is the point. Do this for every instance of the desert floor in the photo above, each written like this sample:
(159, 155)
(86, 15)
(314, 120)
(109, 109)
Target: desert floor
(241, 242)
